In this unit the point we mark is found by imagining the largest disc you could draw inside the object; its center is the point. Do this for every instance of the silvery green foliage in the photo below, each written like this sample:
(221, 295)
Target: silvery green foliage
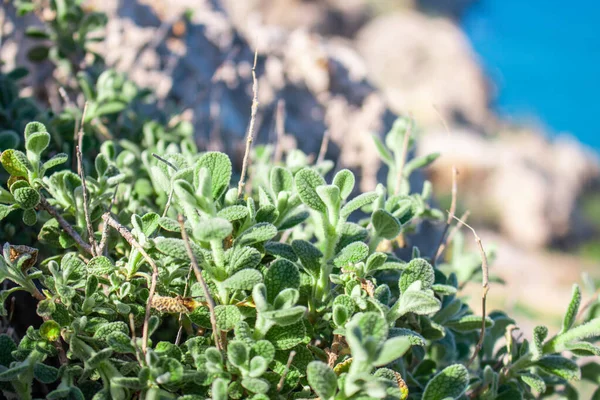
(360, 322)
(310, 297)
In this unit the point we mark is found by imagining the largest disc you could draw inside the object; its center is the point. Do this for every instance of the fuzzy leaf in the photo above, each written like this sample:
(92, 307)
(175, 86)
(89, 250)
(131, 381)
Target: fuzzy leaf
(5, 210)
(37, 142)
(419, 162)
(345, 181)
(57, 159)
(309, 255)
(219, 166)
(384, 153)
(322, 379)
(385, 224)
(450, 383)
(307, 181)
(256, 385)
(352, 254)
(393, 349)
(583, 349)
(227, 317)
(286, 337)
(50, 330)
(469, 323)
(243, 257)
(539, 335)
(560, 366)
(535, 382)
(27, 197)
(237, 353)
(281, 179)
(258, 366)
(45, 373)
(416, 302)
(233, 213)
(282, 274)
(358, 202)
(286, 316)
(213, 229)
(15, 162)
(243, 280)
(571, 313)
(176, 248)
(282, 250)
(293, 220)
(100, 266)
(258, 233)
(417, 270)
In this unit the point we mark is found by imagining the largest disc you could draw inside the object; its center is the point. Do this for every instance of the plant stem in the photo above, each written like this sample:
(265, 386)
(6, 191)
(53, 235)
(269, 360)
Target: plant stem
(65, 225)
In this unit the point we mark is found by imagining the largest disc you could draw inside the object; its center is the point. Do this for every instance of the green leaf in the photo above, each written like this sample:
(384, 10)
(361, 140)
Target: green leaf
(583, 349)
(219, 166)
(450, 383)
(256, 234)
(309, 255)
(307, 181)
(469, 323)
(283, 250)
(293, 220)
(241, 258)
(322, 379)
(50, 330)
(534, 381)
(539, 335)
(57, 159)
(571, 313)
(345, 181)
(282, 274)
(384, 153)
(330, 194)
(286, 316)
(560, 366)
(385, 224)
(38, 53)
(256, 385)
(233, 213)
(213, 229)
(419, 162)
(358, 202)
(13, 373)
(417, 270)
(176, 248)
(45, 373)
(238, 353)
(27, 197)
(110, 107)
(8, 140)
(227, 317)
(37, 142)
(258, 366)
(420, 303)
(100, 265)
(243, 280)
(393, 349)
(29, 217)
(286, 337)
(352, 254)
(281, 179)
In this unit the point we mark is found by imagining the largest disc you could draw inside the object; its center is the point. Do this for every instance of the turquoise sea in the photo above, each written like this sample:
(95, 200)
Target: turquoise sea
(544, 59)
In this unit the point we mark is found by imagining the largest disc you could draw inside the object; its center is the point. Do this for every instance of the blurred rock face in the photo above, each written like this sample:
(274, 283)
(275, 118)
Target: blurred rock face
(420, 63)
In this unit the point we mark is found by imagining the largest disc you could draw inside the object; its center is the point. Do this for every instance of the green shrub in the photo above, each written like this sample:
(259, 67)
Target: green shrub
(159, 279)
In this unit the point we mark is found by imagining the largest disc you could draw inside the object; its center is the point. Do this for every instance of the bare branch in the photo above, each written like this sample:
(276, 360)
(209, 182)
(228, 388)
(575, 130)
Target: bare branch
(324, 146)
(44, 205)
(451, 215)
(451, 235)
(200, 278)
(124, 232)
(485, 284)
(250, 137)
(286, 370)
(81, 173)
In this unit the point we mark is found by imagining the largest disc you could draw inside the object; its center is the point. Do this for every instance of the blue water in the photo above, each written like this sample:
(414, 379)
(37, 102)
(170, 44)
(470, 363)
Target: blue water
(544, 59)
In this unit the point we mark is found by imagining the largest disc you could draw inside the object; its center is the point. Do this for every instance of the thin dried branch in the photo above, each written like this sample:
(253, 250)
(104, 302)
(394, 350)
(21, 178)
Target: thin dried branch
(81, 173)
(210, 301)
(250, 137)
(279, 130)
(451, 214)
(324, 146)
(124, 232)
(485, 284)
(44, 205)
(403, 156)
(286, 370)
(451, 235)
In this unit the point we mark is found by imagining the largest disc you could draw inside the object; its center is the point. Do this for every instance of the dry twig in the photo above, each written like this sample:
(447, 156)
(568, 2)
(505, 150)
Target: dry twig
(200, 278)
(81, 173)
(44, 205)
(250, 137)
(485, 284)
(124, 232)
(286, 370)
(324, 146)
(451, 235)
(185, 289)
